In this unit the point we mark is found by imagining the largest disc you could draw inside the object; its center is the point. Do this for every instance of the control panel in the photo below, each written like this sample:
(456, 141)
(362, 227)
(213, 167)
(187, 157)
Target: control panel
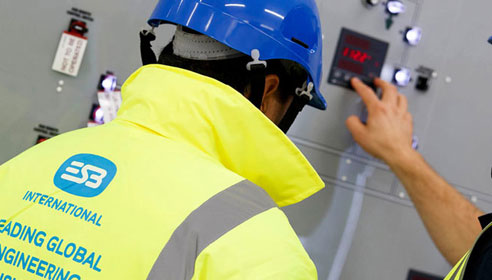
(436, 60)
(357, 55)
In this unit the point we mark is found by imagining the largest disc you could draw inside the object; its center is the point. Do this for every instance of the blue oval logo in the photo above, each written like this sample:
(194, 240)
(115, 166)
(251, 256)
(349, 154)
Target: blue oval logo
(85, 175)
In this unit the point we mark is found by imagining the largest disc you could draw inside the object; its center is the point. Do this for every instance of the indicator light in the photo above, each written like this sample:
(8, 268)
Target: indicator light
(395, 7)
(41, 139)
(402, 77)
(109, 83)
(370, 3)
(98, 115)
(413, 35)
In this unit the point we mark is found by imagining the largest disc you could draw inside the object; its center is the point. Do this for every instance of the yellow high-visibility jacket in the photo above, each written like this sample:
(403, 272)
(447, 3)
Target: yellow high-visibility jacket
(184, 184)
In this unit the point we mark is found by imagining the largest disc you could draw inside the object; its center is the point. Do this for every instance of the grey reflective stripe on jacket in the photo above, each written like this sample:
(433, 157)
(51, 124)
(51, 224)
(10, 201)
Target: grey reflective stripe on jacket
(217, 216)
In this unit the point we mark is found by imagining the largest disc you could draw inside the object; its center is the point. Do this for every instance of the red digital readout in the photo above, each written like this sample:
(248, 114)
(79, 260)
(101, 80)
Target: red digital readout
(358, 42)
(351, 66)
(356, 55)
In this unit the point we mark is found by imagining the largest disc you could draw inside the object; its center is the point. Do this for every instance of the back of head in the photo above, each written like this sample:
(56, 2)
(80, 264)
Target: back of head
(201, 54)
(240, 43)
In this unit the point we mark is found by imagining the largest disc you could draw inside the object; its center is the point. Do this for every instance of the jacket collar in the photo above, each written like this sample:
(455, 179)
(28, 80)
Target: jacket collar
(214, 118)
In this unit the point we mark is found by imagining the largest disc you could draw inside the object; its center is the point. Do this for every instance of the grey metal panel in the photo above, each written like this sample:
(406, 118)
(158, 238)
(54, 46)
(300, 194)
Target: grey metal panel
(455, 130)
(345, 167)
(15, 120)
(30, 31)
(390, 239)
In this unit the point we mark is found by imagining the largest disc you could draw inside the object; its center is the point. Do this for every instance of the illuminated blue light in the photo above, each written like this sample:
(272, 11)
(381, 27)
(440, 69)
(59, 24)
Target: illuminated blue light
(99, 115)
(413, 35)
(395, 7)
(109, 83)
(402, 77)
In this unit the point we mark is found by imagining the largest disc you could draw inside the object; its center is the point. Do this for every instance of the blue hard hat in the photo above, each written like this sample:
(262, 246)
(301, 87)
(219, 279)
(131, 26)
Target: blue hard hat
(279, 29)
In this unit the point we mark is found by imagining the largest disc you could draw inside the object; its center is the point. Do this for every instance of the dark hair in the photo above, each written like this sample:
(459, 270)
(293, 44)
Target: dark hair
(233, 71)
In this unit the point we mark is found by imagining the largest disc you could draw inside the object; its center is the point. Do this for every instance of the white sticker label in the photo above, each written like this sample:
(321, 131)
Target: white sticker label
(110, 102)
(69, 54)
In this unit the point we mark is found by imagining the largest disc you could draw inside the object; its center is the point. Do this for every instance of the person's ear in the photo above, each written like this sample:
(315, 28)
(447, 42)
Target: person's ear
(274, 105)
(270, 94)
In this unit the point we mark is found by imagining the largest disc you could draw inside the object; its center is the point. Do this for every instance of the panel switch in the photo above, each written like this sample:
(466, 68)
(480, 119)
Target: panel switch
(425, 76)
(422, 83)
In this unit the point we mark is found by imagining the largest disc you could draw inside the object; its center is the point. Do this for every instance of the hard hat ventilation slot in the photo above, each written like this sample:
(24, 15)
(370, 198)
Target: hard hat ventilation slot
(299, 42)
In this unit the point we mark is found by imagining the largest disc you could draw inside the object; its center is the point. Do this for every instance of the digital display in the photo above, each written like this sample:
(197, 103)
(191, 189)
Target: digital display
(357, 55)
(351, 66)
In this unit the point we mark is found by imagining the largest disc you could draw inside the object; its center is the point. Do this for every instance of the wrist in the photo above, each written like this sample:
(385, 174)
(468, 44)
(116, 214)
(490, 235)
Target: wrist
(402, 158)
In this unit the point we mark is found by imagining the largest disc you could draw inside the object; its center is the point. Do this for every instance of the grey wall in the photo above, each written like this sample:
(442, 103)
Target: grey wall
(363, 208)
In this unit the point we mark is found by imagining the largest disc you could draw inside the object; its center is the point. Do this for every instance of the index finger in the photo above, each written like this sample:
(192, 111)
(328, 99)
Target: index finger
(385, 86)
(365, 92)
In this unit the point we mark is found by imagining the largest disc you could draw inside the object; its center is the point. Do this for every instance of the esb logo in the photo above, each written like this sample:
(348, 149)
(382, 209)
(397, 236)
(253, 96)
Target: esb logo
(85, 175)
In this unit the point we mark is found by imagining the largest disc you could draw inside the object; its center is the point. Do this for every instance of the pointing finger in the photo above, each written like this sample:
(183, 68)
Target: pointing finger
(368, 96)
(390, 92)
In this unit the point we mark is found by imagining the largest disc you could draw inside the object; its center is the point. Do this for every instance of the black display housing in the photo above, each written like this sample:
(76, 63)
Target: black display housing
(357, 55)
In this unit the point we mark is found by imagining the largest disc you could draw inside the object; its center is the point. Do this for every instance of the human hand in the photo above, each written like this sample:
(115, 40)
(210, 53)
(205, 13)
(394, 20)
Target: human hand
(387, 133)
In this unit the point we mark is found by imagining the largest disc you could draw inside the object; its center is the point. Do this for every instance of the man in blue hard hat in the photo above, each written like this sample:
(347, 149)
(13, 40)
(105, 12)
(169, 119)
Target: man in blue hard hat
(187, 181)
(270, 54)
